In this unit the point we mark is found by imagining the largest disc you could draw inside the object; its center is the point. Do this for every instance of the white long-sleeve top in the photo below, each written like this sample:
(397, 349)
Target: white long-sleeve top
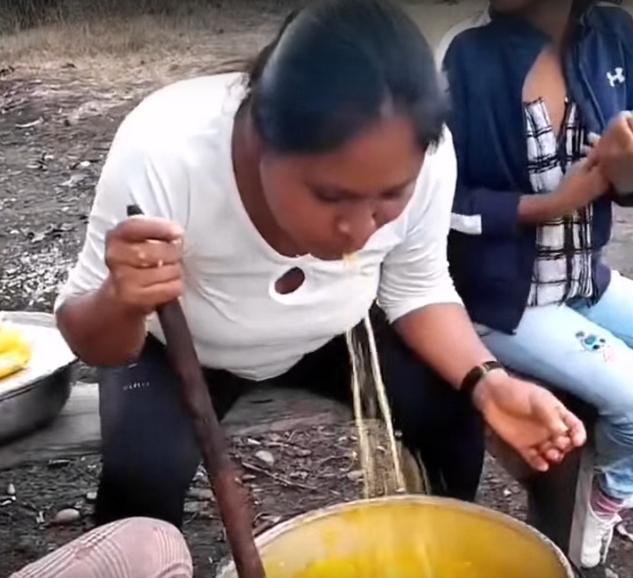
(172, 157)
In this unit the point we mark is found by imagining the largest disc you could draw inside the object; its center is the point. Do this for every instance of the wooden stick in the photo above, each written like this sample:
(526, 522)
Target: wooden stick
(232, 498)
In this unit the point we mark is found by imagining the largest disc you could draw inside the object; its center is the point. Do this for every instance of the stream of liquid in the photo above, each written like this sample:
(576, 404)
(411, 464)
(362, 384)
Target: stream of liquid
(381, 477)
(370, 405)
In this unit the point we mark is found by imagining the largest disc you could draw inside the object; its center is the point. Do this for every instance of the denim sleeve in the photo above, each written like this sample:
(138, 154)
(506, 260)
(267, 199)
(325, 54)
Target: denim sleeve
(476, 210)
(622, 200)
(625, 31)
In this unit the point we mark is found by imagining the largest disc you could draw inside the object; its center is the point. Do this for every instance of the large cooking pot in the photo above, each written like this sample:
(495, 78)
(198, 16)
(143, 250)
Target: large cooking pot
(33, 397)
(407, 537)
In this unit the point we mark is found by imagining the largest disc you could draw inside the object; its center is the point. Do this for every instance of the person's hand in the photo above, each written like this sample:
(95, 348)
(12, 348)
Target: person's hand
(613, 153)
(582, 185)
(529, 418)
(143, 257)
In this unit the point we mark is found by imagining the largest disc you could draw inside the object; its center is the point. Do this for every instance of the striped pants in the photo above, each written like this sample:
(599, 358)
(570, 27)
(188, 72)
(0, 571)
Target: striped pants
(132, 548)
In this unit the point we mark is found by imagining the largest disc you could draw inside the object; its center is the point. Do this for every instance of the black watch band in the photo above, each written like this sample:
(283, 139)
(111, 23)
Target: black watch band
(476, 374)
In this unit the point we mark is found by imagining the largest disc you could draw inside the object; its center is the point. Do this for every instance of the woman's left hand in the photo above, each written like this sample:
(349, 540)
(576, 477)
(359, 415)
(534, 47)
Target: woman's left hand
(529, 418)
(613, 153)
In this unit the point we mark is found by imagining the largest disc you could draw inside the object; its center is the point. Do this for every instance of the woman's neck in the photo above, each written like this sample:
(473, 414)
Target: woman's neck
(551, 17)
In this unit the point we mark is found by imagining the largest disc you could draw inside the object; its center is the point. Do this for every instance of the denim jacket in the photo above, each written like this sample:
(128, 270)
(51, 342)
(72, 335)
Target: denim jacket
(486, 61)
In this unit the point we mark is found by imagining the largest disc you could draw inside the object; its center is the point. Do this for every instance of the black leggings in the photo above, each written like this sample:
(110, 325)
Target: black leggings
(150, 454)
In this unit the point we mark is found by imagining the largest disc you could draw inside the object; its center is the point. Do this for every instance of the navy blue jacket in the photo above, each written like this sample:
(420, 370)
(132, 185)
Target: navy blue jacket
(491, 254)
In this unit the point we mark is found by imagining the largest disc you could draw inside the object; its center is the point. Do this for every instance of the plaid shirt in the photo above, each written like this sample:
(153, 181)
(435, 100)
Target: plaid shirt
(562, 269)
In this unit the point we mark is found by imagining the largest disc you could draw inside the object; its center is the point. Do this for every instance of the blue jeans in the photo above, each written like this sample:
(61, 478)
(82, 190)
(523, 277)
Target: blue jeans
(588, 351)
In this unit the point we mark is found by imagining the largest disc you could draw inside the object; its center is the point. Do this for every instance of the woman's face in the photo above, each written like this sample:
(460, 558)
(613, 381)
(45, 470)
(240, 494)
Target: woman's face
(330, 204)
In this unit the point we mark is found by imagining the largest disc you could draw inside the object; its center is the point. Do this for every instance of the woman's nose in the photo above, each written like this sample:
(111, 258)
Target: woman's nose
(357, 229)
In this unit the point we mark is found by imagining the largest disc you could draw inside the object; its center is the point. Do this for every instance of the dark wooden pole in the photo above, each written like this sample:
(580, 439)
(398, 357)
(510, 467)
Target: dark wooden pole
(231, 496)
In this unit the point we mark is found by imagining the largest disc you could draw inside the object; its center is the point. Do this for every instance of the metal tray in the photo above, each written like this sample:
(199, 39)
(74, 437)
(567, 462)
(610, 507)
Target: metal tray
(33, 397)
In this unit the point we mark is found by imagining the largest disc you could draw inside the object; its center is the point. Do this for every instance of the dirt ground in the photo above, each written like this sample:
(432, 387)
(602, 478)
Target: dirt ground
(311, 469)
(62, 94)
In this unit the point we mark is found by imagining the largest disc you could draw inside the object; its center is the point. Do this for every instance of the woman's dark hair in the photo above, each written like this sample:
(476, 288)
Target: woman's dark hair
(338, 66)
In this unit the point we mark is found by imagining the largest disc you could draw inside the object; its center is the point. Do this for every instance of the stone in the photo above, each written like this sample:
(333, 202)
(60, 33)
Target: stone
(355, 475)
(67, 516)
(201, 494)
(266, 458)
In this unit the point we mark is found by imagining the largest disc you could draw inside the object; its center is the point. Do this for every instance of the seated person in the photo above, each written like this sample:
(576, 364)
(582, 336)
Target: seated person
(133, 548)
(532, 83)
(254, 187)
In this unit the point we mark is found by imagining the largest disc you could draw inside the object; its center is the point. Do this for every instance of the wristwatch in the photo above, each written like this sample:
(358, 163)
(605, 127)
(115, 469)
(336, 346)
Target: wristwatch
(476, 374)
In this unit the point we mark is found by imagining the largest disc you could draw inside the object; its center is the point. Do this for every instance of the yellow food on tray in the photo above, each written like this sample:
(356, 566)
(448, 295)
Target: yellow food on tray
(15, 350)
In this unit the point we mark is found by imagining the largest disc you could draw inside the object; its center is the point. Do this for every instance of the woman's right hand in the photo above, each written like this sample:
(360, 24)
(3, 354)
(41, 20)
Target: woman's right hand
(143, 255)
(582, 185)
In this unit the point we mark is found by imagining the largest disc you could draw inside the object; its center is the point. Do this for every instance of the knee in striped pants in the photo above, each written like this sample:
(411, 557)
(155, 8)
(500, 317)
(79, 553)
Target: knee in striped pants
(132, 548)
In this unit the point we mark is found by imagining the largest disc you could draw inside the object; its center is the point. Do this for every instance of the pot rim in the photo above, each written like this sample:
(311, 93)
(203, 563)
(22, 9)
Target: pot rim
(275, 532)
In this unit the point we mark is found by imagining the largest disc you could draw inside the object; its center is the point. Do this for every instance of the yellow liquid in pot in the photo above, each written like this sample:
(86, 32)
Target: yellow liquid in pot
(389, 564)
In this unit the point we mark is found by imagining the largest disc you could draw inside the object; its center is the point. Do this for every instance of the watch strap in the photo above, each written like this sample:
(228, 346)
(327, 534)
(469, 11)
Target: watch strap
(476, 374)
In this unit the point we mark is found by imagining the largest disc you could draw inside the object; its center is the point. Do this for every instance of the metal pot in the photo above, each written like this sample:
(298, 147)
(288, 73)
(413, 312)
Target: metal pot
(408, 537)
(32, 398)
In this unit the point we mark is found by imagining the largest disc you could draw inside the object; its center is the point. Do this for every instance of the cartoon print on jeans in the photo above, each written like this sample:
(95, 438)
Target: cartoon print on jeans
(593, 343)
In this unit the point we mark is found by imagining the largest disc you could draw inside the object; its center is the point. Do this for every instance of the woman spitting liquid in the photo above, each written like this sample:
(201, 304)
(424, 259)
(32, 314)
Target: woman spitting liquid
(254, 187)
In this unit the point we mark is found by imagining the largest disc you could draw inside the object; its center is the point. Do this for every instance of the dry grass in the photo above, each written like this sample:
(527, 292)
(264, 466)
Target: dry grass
(19, 15)
(36, 30)
(112, 36)
(71, 30)
(106, 31)
(100, 47)
(171, 32)
(156, 48)
(126, 46)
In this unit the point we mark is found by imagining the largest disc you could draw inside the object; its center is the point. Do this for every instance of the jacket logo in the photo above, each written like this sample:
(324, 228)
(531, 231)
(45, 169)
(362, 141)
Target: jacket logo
(616, 77)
